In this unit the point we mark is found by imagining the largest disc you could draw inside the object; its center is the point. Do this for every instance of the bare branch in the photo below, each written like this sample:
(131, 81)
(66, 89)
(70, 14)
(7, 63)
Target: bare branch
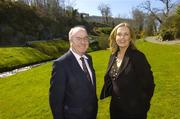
(105, 11)
(168, 5)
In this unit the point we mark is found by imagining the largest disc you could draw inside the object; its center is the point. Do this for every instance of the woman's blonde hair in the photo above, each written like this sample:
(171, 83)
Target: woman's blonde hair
(112, 38)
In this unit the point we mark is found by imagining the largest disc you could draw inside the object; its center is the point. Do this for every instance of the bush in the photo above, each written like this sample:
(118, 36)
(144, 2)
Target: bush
(94, 44)
(103, 42)
(170, 29)
(177, 35)
(167, 35)
(52, 48)
(104, 30)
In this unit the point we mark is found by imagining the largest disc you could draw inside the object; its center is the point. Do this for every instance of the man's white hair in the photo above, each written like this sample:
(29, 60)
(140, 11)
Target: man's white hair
(74, 30)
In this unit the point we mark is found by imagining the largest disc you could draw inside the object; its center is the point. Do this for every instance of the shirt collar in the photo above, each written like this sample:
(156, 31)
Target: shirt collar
(77, 55)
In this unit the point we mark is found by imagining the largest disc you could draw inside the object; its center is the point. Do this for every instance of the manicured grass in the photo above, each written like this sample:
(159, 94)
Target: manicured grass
(165, 63)
(12, 57)
(25, 95)
(38, 51)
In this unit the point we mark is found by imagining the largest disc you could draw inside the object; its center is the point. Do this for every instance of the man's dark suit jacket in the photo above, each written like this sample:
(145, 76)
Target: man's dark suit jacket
(72, 96)
(134, 81)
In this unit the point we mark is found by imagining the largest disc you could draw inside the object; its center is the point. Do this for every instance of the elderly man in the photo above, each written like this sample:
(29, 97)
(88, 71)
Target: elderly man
(73, 85)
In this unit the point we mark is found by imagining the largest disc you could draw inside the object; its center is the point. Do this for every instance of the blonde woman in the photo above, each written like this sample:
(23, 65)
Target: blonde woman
(128, 79)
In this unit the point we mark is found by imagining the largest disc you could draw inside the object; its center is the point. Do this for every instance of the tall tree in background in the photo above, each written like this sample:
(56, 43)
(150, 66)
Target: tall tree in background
(138, 17)
(178, 10)
(105, 11)
(150, 27)
(69, 8)
(53, 8)
(159, 14)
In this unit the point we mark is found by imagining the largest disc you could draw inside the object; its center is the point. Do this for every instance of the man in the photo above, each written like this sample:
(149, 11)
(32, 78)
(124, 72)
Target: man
(73, 85)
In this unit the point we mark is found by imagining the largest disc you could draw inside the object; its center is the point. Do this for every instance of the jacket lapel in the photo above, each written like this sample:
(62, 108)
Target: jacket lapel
(124, 64)
(92, 70)
(74, 66)
(125, 61)
(112, 58)
(76, 69)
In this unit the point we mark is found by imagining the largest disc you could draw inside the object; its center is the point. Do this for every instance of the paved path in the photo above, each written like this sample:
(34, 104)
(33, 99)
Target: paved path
(155, 39)
(9, 73)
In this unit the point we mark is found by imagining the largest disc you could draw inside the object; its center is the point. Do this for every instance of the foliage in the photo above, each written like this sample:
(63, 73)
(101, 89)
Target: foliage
(167, 35)
(171, 27)
(94, 44)
(154, 17)
(98, 24)
(20, 23)
(100, 31)
(104, 30)
(138, 19)
(103, 42)
(53, 48)
(25, 95)
(178, 10)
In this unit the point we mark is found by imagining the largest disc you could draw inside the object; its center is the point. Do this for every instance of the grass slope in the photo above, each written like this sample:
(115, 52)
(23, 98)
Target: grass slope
(25, 95)
(12, 57)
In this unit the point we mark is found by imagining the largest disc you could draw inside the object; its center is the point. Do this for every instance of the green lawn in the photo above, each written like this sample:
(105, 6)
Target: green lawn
(11, 57)
(25, 95)
(34, 52)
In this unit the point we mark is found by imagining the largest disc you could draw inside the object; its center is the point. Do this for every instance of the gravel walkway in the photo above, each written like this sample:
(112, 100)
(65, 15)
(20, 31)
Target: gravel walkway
(155, 39)
(9, 73)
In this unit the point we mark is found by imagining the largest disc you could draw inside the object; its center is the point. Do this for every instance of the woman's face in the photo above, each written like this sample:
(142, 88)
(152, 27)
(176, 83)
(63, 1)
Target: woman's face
(123, 37)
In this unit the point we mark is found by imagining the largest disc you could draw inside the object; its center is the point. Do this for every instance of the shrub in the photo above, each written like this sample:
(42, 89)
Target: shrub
(103, 42)
(104, 30)
(167, 35)
(52, 48)
(170, 29)
(94, 44)
(177, 35)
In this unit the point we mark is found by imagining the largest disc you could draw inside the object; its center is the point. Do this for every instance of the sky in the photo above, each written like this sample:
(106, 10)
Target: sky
(118, 8)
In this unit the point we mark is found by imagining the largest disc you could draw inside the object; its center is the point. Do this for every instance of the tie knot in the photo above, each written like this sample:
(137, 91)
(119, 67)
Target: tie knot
(82, 59)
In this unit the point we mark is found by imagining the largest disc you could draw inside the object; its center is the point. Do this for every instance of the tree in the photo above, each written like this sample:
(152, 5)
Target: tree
(159, 14)
(172, 25)
(178, 10)
(71, 12)
(105, 11)
(138, 17)
(150, 27)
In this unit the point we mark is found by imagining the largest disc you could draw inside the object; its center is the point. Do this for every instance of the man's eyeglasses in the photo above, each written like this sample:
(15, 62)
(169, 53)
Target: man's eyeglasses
(84, 39)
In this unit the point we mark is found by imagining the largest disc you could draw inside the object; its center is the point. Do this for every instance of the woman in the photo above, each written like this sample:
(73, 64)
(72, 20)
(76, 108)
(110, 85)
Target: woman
(128, 79)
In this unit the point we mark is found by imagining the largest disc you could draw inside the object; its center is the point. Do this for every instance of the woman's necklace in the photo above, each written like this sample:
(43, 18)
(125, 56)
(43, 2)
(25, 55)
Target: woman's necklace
(118, 62)
(119, 59)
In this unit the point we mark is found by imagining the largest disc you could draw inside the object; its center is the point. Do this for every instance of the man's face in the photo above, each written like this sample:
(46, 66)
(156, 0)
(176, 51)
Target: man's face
(79, 41)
